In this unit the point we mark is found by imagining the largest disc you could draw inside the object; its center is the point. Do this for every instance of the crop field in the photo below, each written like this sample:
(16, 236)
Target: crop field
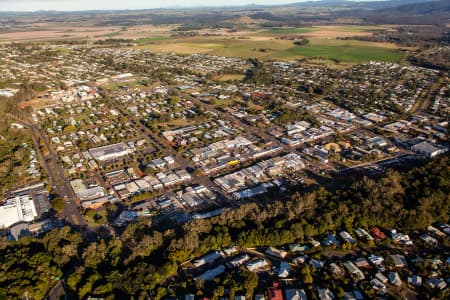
(344, 51)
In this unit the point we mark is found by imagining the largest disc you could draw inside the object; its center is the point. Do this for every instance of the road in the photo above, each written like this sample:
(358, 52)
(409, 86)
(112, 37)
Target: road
(422, 103)
(56, 291)
(55, 173)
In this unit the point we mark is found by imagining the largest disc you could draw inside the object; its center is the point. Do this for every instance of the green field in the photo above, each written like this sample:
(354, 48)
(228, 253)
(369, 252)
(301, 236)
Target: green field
(143, 41)
(343, 51)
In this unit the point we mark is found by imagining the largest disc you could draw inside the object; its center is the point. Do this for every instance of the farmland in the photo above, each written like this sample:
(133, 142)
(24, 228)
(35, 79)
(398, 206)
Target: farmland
(266, 47)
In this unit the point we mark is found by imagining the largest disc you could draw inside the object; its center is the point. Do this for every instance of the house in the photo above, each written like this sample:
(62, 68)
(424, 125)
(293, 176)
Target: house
(257, 264)
(238, 260)
(325, 294)
(361, 262)
(429, 240)
(399, 261)
(284, 269)
(394, 279)
(276, 252)
(212, 273)
(363, 234)
(376, 259)
(436, 283)
(354, 295)
(318, 264)
(189, 297)
(377, 284)
(207, 259)
(295, 294)
(299, 248)
(230, 250)
(415, 280)
(400, 237)
(377, 233)
(336, 270)
(347, 237)
(274, 292)
(354, 270)
(380, 276)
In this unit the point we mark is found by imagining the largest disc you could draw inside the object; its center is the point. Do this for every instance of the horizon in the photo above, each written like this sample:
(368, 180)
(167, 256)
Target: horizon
(105, 5)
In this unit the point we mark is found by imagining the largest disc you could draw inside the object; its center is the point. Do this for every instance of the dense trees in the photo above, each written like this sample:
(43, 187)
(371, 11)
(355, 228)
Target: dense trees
(32, 266)
(258, 74)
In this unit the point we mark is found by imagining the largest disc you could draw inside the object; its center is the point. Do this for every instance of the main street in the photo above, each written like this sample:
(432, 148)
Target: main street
(58, 180)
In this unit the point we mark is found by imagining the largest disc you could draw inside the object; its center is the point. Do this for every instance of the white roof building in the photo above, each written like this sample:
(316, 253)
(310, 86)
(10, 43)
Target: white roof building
(17, 209)
(110, 152)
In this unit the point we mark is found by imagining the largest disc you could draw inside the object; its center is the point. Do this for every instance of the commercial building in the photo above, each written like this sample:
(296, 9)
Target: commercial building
(110, 152)
(428, 149)
(24, 205)
(17, 209)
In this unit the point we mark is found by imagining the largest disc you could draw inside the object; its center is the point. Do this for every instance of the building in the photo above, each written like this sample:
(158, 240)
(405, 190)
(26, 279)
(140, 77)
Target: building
(284, 270)
(295, 294)
(207, 259)
(274, 292)
(21, 208)
(428, 149)
(347, 237)
(394, 279)
(110, 152)
(257, 264)
(239, 260)
(276, 252)
(325, 294)
(399, 261)
(212, 273)
(354, 270)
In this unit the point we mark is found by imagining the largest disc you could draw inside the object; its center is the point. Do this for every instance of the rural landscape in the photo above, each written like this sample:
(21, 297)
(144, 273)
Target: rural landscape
(268, 151)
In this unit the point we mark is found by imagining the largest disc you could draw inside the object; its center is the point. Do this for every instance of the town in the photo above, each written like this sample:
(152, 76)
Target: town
(118, 135)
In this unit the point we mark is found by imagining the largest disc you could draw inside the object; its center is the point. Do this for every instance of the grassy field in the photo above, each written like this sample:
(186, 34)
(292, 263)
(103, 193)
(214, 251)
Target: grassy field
(226, 77)
(113, 34)
(343, 51)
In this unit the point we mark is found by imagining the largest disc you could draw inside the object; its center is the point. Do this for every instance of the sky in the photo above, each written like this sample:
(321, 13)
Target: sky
(32, 5)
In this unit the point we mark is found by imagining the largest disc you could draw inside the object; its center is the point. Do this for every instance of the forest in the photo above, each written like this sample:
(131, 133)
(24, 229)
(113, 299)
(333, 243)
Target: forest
(140, 259)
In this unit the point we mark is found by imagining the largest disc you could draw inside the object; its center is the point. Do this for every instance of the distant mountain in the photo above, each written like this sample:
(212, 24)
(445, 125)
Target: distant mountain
(360, 4)
(434, 7)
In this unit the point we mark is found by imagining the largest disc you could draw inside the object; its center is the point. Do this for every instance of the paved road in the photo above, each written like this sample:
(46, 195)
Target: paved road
(56, 291)
(55, 173)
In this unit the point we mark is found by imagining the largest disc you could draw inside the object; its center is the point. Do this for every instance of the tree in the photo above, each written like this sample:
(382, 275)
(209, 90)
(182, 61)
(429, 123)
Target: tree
(250, 283)
(218, 292)
(58, 204)
(306, 275)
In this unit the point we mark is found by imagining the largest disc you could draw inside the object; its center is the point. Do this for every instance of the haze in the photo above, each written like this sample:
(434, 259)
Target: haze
(32, 5)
